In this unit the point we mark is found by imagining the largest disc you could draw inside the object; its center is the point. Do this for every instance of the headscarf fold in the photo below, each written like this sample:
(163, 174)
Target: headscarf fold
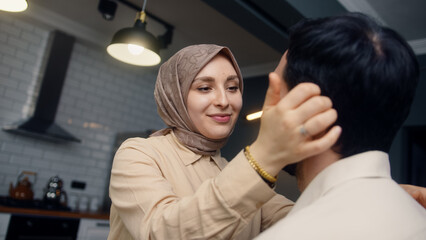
(171, 91)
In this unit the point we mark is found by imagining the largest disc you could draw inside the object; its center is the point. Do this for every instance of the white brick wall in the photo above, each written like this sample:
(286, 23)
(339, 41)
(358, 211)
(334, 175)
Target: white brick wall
(100, 98)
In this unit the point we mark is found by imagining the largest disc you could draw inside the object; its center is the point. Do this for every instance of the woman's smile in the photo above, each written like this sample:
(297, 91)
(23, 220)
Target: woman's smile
(221, 118)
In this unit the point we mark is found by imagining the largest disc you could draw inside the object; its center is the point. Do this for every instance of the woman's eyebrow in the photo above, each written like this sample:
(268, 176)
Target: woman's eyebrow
(204, 79)
(232, 77)
(210, 79)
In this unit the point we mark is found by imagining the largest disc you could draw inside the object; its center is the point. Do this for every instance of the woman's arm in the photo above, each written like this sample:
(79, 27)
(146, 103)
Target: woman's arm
(149, 208)
(274, 210)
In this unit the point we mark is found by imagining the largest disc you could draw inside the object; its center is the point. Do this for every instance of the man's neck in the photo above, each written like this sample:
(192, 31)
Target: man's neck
(309, 168)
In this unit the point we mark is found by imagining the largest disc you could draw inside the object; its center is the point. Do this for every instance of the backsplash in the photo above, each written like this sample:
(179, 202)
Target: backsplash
(101, 97)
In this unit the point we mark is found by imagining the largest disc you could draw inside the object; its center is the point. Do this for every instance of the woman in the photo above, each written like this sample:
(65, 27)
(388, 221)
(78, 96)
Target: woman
(175, 184)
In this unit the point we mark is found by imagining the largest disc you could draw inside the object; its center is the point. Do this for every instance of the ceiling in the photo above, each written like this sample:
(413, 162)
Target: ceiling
(193, 20)
(255, 30)
(405, 16)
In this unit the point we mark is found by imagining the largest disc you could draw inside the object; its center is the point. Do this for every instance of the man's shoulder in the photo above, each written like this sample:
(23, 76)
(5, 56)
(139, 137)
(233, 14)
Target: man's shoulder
(356, 211)
(377, 206)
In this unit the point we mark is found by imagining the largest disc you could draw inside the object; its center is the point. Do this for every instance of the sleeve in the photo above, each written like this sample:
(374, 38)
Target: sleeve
(219, 209)
(274, 210)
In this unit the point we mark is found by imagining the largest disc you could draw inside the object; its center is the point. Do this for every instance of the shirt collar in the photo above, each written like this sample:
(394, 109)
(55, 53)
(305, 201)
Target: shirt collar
(367, 164)
(217, 158)
(189, 157)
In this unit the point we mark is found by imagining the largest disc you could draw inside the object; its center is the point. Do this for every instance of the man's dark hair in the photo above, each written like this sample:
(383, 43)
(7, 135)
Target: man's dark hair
(369, 72)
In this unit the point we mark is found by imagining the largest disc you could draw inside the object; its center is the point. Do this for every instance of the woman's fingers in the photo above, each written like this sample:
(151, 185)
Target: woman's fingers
(273, 95)
(320, 122)
(321, 144)
(313, 106)
(299, 95)
(289, 130)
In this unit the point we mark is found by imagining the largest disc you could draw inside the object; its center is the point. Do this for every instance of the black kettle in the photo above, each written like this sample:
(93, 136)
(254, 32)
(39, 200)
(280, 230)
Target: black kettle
(54, 194)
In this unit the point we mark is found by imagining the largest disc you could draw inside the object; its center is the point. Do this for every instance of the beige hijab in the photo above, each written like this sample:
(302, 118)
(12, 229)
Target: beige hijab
(171, 91)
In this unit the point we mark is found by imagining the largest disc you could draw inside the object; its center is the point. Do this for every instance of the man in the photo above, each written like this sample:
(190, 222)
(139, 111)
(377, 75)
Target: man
(370, 73)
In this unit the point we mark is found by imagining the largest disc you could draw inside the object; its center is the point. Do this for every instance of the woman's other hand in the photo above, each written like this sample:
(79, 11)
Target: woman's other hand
(418, 193)
(293, 125)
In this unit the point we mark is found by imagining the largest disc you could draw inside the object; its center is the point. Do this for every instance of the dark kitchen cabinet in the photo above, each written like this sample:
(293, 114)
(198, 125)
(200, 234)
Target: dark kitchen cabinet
(32, 227)
(30, 223)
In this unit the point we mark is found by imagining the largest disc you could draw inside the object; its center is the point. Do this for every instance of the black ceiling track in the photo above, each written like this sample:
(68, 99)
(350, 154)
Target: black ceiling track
(267, 20)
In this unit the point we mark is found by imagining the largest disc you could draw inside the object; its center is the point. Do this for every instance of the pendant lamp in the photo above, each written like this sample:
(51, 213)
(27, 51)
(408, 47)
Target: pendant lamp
(13, 5)
(135, 45)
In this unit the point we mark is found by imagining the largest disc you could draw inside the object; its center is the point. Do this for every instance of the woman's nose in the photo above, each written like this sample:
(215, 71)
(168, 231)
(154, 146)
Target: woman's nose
(221, 99)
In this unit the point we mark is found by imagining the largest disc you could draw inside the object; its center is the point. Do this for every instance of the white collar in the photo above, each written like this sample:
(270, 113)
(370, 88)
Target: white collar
(367, 164)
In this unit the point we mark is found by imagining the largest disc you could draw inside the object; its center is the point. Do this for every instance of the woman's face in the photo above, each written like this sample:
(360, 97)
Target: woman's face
(214, 99)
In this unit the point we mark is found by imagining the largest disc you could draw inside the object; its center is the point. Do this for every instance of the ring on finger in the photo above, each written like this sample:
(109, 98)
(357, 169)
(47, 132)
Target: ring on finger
(303, 131)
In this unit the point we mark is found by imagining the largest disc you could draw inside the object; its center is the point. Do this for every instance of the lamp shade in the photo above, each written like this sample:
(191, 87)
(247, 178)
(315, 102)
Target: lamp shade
(135, 46)
(13, 5)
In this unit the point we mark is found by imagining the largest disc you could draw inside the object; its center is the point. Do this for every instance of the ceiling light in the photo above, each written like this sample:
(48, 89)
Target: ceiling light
(254, 116)
(13, 5)
(135, 45)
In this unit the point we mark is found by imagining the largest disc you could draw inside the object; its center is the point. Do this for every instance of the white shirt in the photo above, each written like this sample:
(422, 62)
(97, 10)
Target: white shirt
(353, 198)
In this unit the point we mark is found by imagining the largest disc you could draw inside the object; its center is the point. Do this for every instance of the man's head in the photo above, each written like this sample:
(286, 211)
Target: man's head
(369, 72)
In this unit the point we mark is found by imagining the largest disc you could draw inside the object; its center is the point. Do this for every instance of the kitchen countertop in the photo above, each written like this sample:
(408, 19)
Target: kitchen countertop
(54, 213)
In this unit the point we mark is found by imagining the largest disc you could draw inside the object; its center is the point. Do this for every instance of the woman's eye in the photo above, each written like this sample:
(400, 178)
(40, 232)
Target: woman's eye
(203, 89)
(233, 89)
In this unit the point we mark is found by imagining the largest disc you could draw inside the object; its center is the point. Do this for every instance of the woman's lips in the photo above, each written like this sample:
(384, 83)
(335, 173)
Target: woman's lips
(221, 118)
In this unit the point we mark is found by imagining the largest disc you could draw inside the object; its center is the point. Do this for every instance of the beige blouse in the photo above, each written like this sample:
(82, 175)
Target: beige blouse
(162, 190)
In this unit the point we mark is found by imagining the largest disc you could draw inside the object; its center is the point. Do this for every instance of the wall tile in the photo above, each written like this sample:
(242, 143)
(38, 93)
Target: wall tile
(17, 42)
(100, 98)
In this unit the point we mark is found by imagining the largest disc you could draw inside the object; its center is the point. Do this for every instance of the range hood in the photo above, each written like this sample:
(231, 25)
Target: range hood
(42, 123)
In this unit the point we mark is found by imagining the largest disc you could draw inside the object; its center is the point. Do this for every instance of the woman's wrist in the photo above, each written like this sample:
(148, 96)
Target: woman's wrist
(264, 158)
(265, 175)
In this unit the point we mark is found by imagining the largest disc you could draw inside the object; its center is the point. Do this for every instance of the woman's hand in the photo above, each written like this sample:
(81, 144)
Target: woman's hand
(282, 139)
(418, 193)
